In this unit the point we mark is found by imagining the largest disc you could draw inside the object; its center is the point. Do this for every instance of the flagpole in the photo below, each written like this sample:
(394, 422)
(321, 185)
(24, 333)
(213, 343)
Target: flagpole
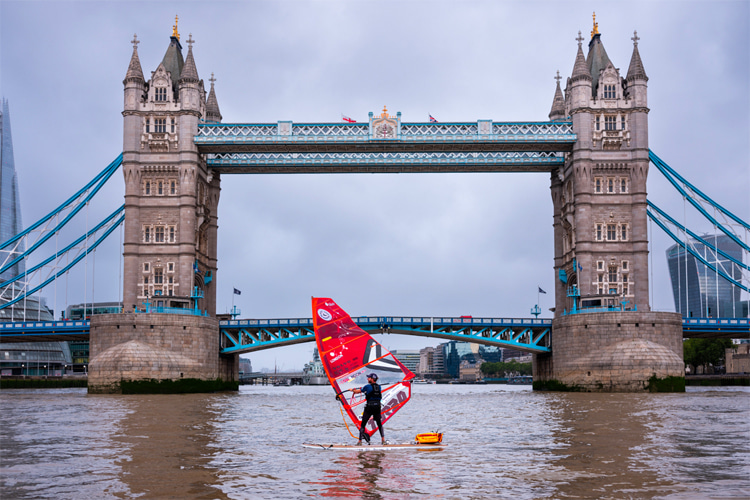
(233, 299)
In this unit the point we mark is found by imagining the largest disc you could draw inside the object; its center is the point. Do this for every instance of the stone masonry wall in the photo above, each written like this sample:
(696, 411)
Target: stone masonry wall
(613, 351)
(141, 346)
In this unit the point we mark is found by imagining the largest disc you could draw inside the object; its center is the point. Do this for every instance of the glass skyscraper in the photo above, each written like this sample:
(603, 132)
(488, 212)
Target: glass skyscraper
(10, 202)
(700, 292)
(29, 309)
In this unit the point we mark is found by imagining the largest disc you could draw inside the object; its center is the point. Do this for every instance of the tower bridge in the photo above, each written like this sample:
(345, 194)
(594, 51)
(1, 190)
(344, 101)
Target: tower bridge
(594, 148)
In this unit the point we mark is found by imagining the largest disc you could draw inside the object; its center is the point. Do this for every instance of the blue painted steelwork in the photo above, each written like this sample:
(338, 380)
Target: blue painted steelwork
(531, 335)
(665, 216)
(148, 308)
(359, 162)
(235, 134)
(44, 331)
(75, 204)
(261, 334)
(696, 254)
(736, 328)
(668, 172)
(108, 226)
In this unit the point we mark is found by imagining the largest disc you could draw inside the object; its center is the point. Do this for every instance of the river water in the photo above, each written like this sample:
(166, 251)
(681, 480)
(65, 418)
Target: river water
(502, 442)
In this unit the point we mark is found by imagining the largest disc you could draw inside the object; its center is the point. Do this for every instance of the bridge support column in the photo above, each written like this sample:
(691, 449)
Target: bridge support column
(613, 352)
(137, 352)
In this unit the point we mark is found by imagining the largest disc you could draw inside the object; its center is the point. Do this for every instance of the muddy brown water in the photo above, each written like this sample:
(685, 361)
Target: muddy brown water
(503, 442)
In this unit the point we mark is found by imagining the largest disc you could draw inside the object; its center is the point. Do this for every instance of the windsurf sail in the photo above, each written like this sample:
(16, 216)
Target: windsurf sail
(348, 354)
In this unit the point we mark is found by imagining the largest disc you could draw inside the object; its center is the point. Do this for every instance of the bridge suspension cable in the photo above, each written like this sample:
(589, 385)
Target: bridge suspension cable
(41, 229)
(732, 269)
(18, 287)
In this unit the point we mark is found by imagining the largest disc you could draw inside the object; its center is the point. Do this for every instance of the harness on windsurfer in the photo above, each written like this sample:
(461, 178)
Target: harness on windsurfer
(373, 396)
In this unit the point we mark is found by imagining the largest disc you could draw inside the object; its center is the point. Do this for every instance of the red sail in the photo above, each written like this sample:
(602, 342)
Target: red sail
(349, 353)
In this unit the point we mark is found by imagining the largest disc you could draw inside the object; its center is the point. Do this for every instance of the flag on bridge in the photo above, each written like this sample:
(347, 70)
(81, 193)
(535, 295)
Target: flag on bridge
(540, 289)
(237, 292)
(195, 266)
(347, 119)
(432, 119)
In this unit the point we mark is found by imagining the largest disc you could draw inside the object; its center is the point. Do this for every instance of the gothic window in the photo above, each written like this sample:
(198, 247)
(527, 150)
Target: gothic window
(147, 234)
(601, 278)
(623, 185)
(598, 232)
(597, 184)
(610, 185)
(609, 92)
(160, 93)
(158, 276)
(173, 125)
(148, 125)
(160, 189)
(600, 265)
(611, 232)
(159, 234)
(172, 187)
(171, 234)
(610, 123)
(622, 122)
(624, 265)
(624, 284)
(171, 279)
(597, 122)
(170, 267)
(624, 232)
(160, 125)
(148, 187)
(145, 280)
(146, 267)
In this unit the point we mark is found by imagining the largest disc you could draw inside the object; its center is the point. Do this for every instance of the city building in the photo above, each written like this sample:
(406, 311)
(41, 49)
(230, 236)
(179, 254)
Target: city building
(470, 370)
(35, 359)
(77, 312)
(738, 359)
(697, 290)
(454, 352)
(410, 359)
(431, 361)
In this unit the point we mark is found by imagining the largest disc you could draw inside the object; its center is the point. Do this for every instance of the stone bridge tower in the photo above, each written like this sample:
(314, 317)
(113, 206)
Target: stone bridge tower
(171, 198)
(601, 235)
(170, 244)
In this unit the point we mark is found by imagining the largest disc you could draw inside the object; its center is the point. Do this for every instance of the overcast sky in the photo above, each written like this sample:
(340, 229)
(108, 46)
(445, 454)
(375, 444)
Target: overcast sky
(393, 244)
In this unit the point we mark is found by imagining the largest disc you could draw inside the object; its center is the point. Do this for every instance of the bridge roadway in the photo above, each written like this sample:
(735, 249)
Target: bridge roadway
(250, 335)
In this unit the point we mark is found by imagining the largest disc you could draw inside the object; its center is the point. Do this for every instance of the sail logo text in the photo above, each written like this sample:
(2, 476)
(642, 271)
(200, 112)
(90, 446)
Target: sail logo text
(324, 315)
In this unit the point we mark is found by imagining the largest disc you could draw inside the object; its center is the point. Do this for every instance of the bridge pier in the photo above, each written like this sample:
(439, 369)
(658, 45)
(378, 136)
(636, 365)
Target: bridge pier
(151, 352)
(613, 352)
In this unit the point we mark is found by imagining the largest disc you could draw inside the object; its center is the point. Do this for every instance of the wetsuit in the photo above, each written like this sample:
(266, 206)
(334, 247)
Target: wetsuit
(372, 409)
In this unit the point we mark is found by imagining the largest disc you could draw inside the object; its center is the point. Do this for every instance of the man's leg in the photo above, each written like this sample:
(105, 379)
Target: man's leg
(376, 418)
(362, 434)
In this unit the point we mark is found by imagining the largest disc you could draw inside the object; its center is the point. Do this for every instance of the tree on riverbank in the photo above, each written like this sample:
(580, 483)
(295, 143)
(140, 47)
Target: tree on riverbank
(505, 369)
(705, 352)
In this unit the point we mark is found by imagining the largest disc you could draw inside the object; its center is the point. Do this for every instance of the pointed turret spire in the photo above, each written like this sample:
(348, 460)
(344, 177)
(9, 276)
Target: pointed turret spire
(135, 73)
(189, 71)
(213, 115)
(558, 103)
(580, 68)
(636, 70)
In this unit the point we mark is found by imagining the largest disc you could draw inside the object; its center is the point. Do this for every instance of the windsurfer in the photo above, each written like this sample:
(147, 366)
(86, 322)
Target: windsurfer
(372, 407)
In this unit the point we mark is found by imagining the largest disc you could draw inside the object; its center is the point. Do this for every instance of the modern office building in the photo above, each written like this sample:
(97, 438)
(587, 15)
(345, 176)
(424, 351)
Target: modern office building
(455, 352)
(410, 358)
(697, 290)
(431, 361)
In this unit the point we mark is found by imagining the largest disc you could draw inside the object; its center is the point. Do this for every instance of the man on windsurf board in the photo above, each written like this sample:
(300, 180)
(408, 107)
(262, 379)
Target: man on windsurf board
(373, 396)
